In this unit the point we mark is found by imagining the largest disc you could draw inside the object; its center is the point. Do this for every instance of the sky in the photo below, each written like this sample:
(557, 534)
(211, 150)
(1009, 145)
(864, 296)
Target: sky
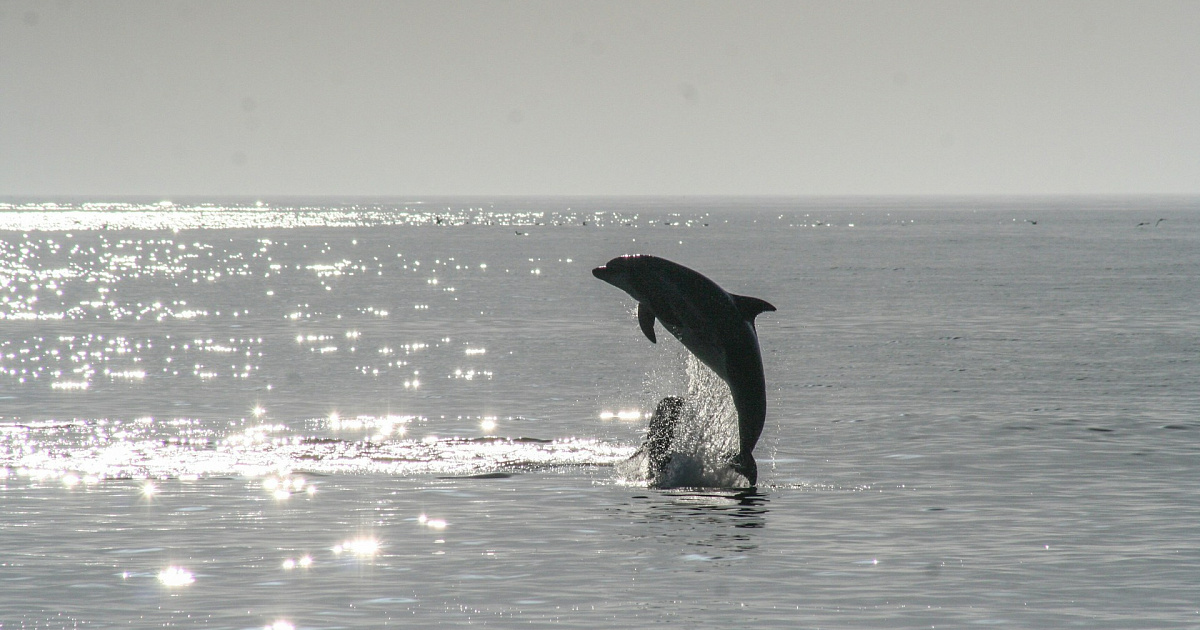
(287, 97)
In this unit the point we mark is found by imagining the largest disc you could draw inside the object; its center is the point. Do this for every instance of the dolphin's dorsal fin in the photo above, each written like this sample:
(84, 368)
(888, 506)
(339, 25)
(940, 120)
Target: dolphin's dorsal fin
(750, 307)
(646, 321)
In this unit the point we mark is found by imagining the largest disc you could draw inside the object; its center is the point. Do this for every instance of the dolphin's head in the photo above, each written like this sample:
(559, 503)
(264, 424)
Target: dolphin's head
(619, 271)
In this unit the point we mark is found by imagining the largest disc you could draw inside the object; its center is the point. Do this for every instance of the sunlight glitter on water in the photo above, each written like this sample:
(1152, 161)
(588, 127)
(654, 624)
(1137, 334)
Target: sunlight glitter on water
(83, 453)
(869, 388)
(303, 562)
(626, 415)
(169, 216)
(357, 546)
(382, 424)
(432, 523)
(176, 576)
(282, 487)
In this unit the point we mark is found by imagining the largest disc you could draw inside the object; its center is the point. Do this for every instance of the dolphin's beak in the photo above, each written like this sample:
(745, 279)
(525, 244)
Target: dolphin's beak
(602, 272)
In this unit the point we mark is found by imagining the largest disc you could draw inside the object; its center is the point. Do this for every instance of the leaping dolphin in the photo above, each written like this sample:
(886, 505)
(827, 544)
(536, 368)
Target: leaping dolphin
(716, 326)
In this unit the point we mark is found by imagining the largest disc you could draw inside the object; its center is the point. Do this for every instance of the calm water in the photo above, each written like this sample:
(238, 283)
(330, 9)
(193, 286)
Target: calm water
(323, 415)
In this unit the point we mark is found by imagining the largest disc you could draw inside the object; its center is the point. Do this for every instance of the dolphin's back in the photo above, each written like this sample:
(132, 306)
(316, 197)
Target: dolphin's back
(682, 297)
(704, 317)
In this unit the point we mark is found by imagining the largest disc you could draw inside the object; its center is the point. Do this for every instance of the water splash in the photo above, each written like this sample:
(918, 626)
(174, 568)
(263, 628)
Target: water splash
(705, 438)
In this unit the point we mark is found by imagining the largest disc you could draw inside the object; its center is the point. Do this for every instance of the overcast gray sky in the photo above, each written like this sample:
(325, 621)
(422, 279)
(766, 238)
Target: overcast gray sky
(491, 98)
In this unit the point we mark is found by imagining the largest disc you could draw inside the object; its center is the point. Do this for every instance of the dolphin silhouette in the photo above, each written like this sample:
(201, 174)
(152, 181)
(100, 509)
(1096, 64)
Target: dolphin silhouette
(716, 326)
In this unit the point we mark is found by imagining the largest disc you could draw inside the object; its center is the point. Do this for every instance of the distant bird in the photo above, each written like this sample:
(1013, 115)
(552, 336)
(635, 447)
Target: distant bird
(1145, 223)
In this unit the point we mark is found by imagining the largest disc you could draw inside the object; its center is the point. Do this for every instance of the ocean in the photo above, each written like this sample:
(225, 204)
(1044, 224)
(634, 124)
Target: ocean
(360, 413)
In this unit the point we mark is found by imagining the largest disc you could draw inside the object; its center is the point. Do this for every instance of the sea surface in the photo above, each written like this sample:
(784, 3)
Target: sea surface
(318, 414)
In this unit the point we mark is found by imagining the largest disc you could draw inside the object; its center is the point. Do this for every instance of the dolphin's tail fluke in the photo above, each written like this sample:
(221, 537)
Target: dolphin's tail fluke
(744, 465)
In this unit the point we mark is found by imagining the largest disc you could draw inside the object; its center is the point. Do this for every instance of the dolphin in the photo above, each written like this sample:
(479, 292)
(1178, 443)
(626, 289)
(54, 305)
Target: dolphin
(716, 326)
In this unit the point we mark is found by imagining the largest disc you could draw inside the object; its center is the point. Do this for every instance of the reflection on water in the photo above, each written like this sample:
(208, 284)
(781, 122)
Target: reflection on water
(303, 562)
(169, 216)
(176, 576)
(358, 547)
(414, 419)
(268, 341)
(80, 458)
(746, 508)
(703, 525)
(164, 340)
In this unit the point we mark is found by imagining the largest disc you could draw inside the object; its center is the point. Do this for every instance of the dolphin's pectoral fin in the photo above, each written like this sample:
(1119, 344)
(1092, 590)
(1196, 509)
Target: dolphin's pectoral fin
(646, 321)
(750, 307)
